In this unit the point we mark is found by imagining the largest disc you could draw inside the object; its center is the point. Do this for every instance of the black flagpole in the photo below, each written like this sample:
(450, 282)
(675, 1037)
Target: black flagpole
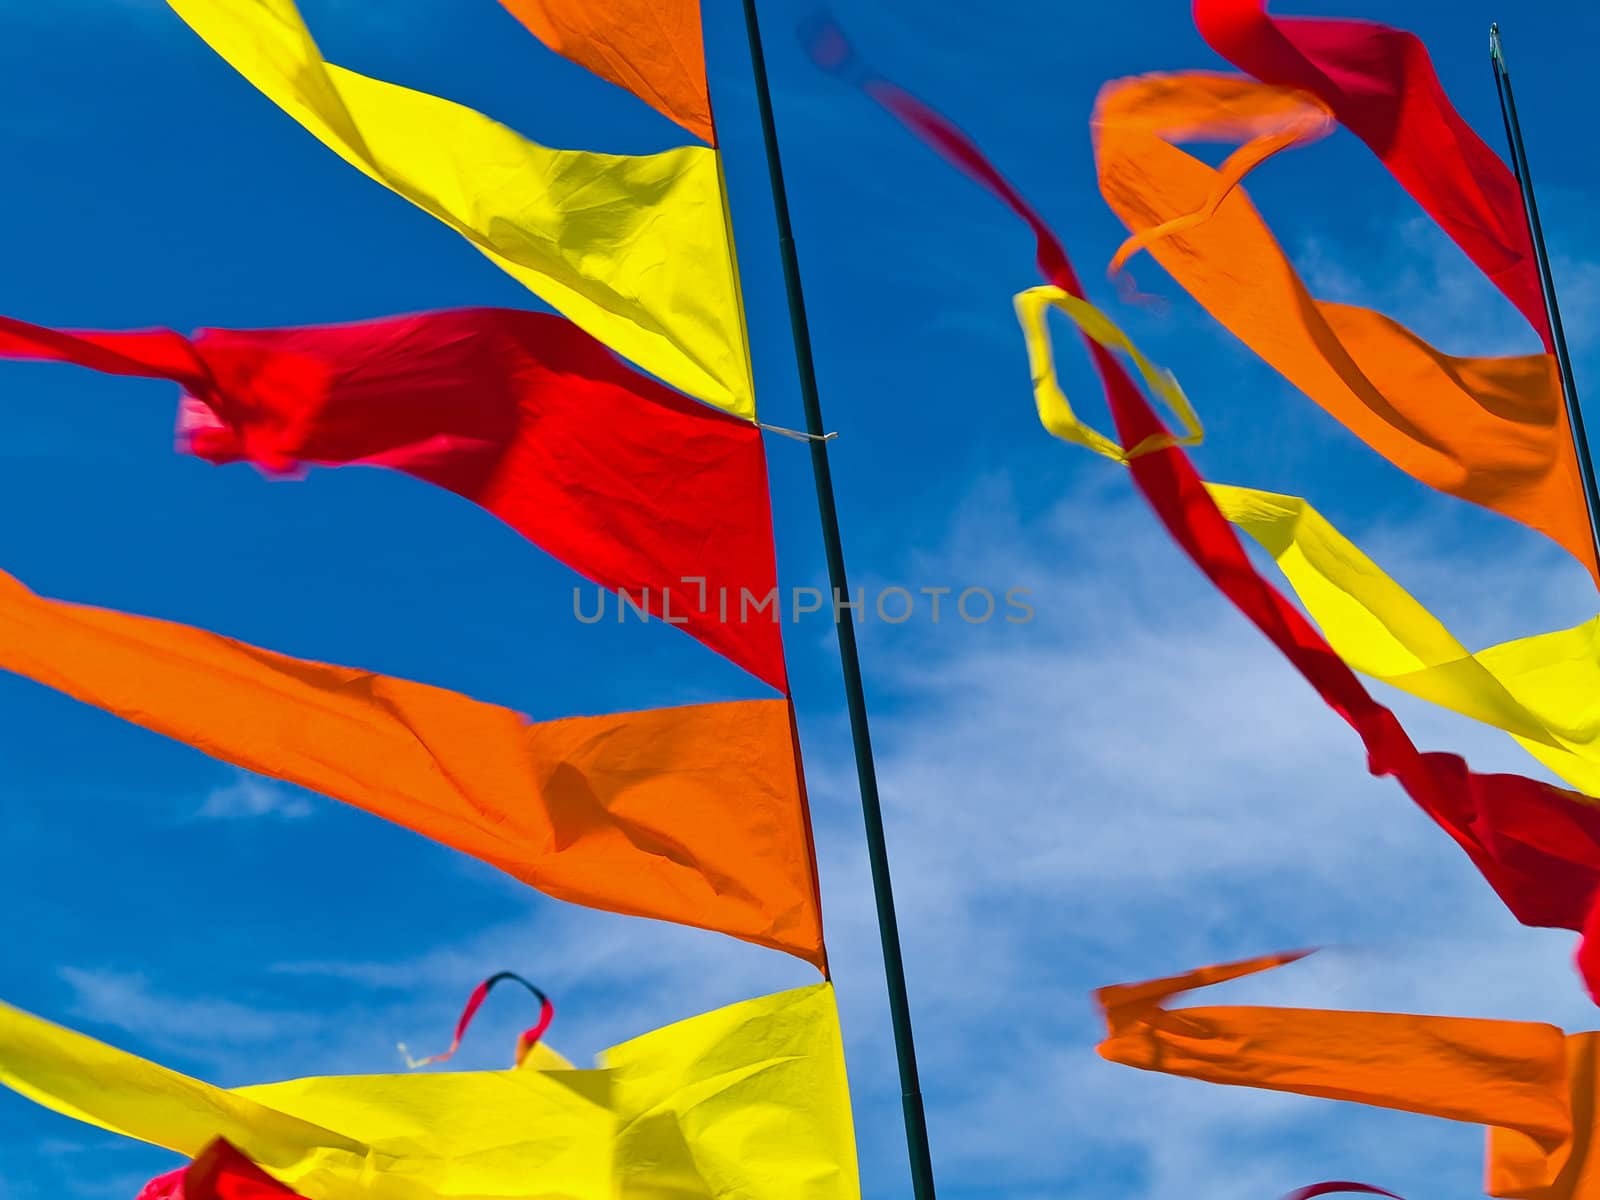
(877, 849)
(1547, 285)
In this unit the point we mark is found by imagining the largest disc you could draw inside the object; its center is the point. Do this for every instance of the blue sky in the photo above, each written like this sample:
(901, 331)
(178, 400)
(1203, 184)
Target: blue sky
(1129, 785)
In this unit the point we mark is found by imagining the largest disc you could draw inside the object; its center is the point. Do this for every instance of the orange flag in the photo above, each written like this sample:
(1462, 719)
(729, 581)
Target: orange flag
(651, 47)
(1533, 1085)
(694, 815)
(1490, 430)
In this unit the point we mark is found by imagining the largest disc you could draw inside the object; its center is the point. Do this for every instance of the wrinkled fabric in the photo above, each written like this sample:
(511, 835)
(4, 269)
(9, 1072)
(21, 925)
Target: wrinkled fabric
(1492, 431)
(1537, 846)
(632, 485)
(1543, 690)
(693, 814)
(1380, 84)
(653, 48)
(635, 250)
(749, 1100)
(1534, 1086)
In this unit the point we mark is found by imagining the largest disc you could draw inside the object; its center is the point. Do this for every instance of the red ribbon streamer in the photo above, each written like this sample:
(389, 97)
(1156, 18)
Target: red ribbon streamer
(1381, 85)
(525, 1042)
(1332, 1187)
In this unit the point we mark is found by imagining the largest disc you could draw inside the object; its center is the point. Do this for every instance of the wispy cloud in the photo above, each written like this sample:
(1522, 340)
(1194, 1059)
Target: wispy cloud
(128, 1002)
(250, 797)
(1422, 279)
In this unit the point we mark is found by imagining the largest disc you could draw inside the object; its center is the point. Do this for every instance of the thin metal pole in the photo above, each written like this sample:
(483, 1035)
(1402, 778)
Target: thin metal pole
(1558, 336)
(877, 848)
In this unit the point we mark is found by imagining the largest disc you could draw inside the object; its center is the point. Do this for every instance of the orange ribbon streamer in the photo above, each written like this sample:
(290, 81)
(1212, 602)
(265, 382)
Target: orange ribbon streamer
(1533, 1085)
(693, 814)
(1490, 430)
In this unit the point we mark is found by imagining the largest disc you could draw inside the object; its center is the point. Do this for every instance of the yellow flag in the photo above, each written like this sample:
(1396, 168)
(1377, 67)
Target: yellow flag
(82, 1078)
(636, 250)
(749, 1100)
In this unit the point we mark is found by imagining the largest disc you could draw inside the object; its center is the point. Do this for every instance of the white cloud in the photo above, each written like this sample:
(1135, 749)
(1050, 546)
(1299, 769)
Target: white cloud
(251, 797)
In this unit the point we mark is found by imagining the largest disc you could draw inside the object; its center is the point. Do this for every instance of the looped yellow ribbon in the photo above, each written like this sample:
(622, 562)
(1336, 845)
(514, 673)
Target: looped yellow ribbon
(1055, 411)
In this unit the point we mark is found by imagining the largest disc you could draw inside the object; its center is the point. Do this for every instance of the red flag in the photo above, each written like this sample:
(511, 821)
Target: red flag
(631, 484)
(219, 1173)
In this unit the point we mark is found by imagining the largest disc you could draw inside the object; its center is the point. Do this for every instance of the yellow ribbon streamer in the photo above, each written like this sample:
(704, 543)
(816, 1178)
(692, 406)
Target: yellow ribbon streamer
(1542, 690)
(635, 250)
(1055, 411)
(750, 1100)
